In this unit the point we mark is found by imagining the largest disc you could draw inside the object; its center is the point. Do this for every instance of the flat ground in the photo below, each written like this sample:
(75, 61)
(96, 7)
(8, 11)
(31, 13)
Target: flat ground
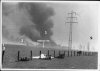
(72, 62)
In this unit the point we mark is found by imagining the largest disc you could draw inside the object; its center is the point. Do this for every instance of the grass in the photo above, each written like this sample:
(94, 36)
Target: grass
(72, 62)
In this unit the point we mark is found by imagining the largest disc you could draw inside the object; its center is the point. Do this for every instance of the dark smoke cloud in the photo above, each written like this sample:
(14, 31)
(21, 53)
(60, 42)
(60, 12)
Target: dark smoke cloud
(28, 19)
(40, 15)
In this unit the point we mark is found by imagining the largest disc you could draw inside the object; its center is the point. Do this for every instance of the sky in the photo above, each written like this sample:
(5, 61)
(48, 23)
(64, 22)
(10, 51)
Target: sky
(87, 18)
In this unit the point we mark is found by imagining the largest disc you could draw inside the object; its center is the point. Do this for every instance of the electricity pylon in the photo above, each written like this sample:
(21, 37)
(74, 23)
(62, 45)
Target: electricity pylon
(72, 16)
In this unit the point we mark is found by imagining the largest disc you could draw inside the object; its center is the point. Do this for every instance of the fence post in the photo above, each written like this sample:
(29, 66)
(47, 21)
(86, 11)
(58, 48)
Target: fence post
(40, 53)
(48, 52)
(71, 53)
(18, 55)
(74, 53)
(54, 53)
(3, 56)
(68, 52)
(83, 53)
(31, 54)
(77, 54)
(59, 52)
(64, 52)
(3, 52)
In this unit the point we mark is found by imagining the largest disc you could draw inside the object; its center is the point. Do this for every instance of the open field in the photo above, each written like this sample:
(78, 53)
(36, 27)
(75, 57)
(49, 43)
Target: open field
(76, 62)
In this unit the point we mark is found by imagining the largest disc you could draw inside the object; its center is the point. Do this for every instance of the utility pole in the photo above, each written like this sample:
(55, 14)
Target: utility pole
(72, 16)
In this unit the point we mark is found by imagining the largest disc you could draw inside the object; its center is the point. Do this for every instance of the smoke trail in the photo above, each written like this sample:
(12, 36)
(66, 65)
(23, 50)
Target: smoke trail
(29, 19)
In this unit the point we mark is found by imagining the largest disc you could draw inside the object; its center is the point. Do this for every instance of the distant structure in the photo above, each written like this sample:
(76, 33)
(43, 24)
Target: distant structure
(71, 18)
(43, 41)
(88, 46)
(22, 41)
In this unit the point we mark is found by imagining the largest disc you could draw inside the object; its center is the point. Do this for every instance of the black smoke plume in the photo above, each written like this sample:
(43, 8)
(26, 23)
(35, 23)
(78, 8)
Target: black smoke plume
(40, 15)
(28, 19)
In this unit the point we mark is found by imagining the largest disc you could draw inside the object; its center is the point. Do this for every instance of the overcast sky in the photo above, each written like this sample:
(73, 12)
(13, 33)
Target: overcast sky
(87, 18)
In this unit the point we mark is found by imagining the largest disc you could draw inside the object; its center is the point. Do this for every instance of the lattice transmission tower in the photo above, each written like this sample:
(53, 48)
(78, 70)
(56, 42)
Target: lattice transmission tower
(71, 17)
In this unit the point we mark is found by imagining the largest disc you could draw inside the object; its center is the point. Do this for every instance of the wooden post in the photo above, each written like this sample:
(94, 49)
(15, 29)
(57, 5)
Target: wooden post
(83, 53)
(54, 53)
(71, 52)
(88, 53)
(64, 52)
(59, 52)
(68, 52)
(40, 53)
(74, 53)
(91, 53)
(3, 56)
(31, 54)
(18, 55)
(48, 52)
(3, 52)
